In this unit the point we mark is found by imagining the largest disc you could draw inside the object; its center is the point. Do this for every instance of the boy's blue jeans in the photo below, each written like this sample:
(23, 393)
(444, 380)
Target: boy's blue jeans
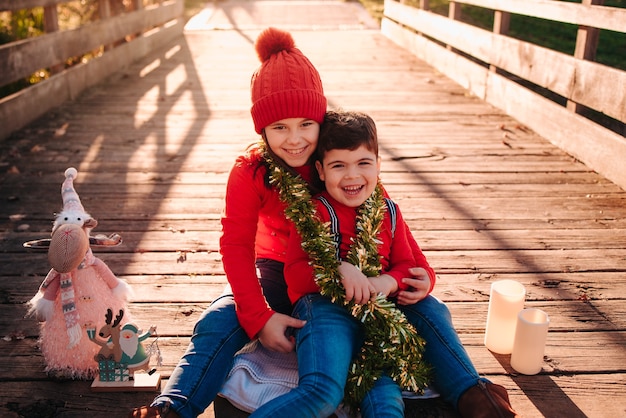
(453, 371)
(325, 347)
(217, 336)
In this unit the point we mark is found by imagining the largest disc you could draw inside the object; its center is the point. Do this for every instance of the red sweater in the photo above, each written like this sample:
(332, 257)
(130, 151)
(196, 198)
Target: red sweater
(396, 253)
(254, 226)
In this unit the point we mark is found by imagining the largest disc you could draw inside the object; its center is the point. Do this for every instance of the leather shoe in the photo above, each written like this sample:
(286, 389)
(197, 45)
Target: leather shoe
(153, 412)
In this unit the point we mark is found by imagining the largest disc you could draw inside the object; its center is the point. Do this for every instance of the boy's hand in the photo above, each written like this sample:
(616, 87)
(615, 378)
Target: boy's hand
(384, 284)
(358, 287)
(419, 285)
(273, 335)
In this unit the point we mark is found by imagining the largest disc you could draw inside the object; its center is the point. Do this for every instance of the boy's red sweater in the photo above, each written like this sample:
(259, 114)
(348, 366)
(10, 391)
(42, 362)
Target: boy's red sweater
(396, 253)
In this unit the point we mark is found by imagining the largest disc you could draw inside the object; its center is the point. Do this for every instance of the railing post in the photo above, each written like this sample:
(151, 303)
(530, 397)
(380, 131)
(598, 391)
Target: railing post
(51, 24)
(501, 23)
(104, 10)
(586, 47)
(454, 13)
(135, 5)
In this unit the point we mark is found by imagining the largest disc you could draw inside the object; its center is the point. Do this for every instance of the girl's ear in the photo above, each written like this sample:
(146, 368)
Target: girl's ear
(320, 170)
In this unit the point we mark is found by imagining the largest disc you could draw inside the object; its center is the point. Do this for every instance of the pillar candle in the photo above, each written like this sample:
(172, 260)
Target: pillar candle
(506, 300)
(529, 344)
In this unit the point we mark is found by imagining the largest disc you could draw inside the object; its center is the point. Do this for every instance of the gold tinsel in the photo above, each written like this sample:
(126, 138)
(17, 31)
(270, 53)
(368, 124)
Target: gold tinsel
(392, 345)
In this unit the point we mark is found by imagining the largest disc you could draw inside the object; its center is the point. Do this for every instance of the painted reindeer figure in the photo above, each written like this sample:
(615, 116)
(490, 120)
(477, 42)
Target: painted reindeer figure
(110, 332)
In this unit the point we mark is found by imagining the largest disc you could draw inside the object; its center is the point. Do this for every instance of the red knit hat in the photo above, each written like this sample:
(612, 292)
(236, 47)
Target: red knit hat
(286, 85)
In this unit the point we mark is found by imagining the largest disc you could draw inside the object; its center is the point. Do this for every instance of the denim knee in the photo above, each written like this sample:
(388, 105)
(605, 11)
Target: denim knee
(384, 400)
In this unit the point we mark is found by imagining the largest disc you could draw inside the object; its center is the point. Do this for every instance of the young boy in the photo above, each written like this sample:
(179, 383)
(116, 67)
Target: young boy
(349, 165)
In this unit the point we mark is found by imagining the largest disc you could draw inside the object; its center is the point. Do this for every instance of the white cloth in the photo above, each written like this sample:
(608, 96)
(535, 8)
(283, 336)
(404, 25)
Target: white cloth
(259, 375)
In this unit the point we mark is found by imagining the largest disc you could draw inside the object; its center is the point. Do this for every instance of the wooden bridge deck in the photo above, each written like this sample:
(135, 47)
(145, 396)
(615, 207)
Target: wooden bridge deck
(486, 198)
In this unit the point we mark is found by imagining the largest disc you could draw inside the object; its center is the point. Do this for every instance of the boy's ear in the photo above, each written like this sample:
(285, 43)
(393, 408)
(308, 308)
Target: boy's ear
(378, 163)
(320, 170)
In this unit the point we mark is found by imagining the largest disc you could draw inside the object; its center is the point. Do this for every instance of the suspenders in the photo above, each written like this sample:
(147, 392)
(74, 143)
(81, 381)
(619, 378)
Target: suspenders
(334, 221)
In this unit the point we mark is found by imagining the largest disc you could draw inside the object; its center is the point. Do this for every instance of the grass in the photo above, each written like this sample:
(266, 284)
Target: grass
(193, 7)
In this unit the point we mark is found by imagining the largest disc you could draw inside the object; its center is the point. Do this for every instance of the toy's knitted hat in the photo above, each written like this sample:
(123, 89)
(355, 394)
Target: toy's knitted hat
(286, 85)
(71, 201)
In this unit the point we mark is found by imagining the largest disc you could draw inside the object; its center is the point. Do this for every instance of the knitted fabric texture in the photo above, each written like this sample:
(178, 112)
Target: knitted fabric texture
(286, 85)
(71, 201)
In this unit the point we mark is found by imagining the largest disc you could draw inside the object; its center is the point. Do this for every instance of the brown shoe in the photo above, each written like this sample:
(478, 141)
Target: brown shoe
(153, 412)
(486, 400)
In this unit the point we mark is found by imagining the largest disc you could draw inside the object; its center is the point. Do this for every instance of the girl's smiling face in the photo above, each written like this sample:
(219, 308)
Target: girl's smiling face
(350, 176)
(293, 139)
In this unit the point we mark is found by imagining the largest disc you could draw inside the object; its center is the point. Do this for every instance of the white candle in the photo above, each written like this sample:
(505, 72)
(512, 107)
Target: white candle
(529, 344)
(506, 299)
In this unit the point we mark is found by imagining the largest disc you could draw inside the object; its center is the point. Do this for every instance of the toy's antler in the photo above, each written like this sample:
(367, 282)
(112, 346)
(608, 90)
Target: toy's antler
(109, 316)
(118, 318)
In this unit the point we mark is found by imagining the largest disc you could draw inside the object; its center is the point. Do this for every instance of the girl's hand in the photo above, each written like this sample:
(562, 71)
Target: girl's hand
(358, 288)
(419, 285)
(273, 335)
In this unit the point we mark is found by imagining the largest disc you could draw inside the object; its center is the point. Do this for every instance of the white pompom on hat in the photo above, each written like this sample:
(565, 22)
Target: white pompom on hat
(71, 201)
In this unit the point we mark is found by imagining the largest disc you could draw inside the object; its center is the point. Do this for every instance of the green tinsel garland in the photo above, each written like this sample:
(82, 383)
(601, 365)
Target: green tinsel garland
(392, 345)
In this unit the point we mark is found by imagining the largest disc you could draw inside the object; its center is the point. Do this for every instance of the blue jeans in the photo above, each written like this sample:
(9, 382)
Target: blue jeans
(453, 371)
(202, 370)
(325, 348)
(217, 336)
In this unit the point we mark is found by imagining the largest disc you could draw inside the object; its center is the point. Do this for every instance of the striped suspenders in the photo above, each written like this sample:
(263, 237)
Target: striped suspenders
(334, 221)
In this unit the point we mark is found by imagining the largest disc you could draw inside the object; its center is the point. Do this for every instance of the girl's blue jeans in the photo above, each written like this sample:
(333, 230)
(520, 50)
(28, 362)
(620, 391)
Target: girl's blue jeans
(217, 336)
(325, 347)
(202, 370)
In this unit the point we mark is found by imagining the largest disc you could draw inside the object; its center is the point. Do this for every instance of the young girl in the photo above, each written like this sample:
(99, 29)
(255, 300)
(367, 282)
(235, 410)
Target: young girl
(288, 104)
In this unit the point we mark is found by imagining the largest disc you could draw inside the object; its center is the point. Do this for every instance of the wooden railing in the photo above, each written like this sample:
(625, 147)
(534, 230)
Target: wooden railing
(548, 91)
(122, 38)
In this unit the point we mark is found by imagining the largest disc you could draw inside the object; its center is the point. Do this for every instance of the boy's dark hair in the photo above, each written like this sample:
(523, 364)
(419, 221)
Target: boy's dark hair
(346, 130)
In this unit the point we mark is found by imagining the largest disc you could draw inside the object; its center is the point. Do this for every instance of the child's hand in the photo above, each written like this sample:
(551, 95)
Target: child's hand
(419, 285)
(274, 336)
(384, 284)
(358, 288)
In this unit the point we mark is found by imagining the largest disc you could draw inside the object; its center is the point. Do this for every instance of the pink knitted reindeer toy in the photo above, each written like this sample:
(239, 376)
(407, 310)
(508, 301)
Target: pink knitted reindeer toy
(76, 291)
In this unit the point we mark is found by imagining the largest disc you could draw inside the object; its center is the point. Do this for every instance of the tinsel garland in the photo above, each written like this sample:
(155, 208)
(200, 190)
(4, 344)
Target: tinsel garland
(392, 345)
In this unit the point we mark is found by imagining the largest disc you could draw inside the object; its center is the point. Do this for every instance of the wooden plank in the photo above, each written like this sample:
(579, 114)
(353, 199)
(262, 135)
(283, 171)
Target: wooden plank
(567, 353)
(450, 287)
(477, 239)
(72, 399)
(604, 17)
(568, 316)
(448, 261)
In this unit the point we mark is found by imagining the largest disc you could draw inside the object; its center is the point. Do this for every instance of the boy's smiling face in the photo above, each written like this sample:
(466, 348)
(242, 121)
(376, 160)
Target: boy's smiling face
(350, 176)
